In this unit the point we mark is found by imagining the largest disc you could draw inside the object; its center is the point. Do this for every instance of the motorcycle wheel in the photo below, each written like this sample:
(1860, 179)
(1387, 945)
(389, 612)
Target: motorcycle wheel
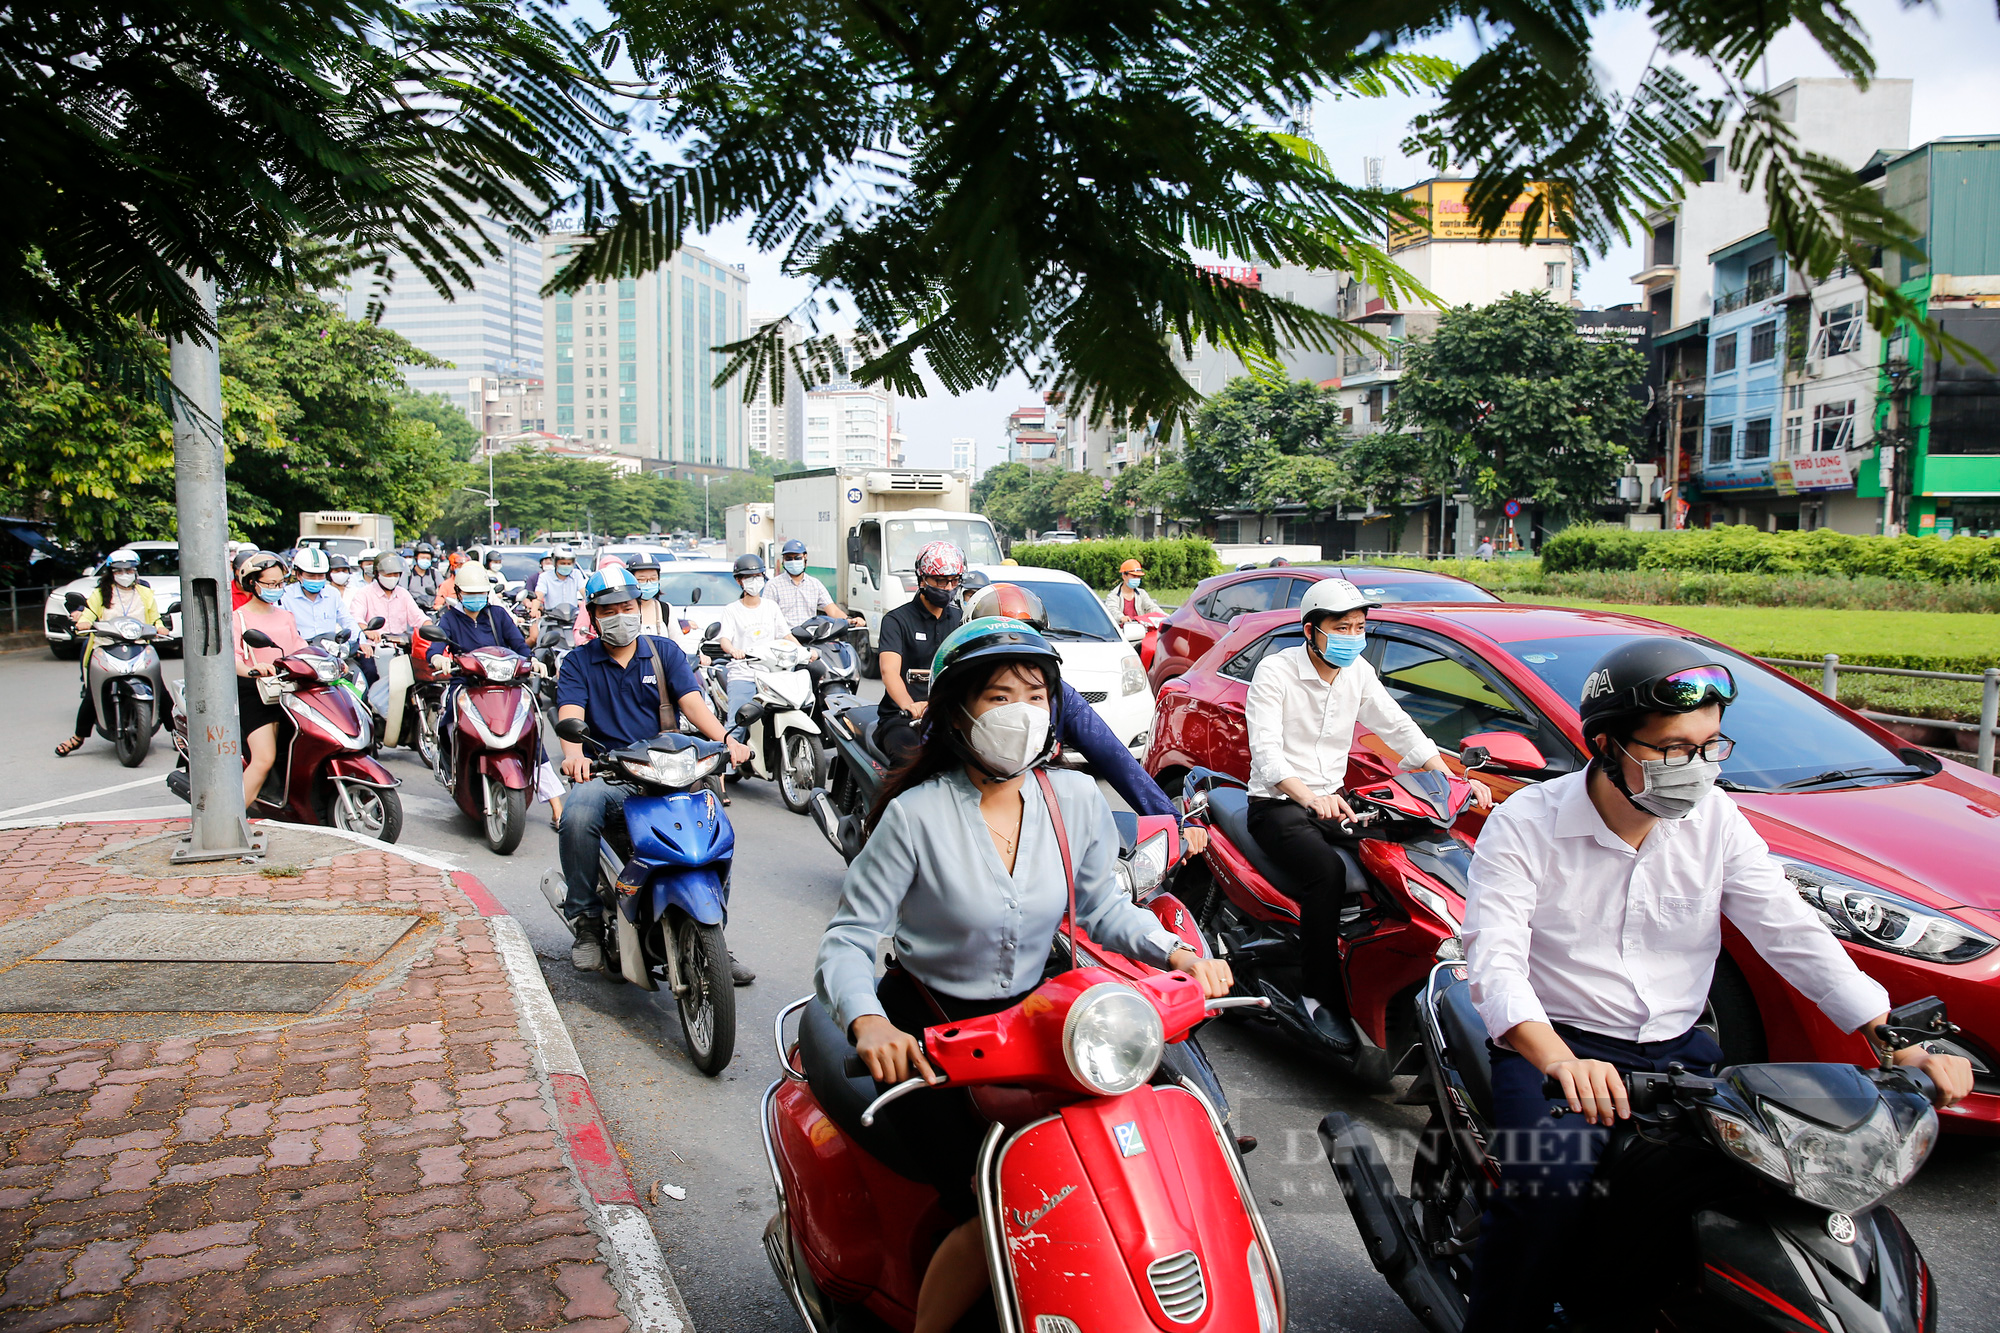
(870, 668)
(803, 768)
(377, 812)
(708, 1009)
(66, 652)
(426, 739)
(506, 816)
(135, 733)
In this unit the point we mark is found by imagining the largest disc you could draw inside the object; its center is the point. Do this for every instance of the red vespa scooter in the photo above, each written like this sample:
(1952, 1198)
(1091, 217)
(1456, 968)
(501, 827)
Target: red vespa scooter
(1400, 913)
(495, 743)
(324, 772)
(1109, 1199)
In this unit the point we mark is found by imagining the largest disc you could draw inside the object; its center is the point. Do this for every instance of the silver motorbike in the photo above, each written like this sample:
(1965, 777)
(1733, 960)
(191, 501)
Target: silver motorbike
(123, 676)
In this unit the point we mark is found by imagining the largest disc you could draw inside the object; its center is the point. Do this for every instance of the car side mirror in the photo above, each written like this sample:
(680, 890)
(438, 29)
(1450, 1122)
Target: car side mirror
(854, 548)
(1134, 632)
(257, 638)
(572, 729)
(1507, 751)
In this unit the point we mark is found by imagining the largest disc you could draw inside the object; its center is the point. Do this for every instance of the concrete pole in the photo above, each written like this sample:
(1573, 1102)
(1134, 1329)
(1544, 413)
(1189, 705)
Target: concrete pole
(215, 742)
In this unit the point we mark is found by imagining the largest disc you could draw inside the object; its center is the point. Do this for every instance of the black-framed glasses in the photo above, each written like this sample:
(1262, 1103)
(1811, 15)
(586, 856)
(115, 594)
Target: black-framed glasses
(1677, 754)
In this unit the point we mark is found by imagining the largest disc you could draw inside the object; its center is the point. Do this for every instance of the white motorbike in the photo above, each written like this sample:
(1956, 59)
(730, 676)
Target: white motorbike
(777, 724)
(124, 681)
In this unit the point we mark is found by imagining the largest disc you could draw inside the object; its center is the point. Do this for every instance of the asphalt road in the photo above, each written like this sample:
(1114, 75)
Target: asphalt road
(677, 1127)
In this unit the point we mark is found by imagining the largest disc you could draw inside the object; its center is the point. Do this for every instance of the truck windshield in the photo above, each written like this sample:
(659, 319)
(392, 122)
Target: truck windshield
(904, 537)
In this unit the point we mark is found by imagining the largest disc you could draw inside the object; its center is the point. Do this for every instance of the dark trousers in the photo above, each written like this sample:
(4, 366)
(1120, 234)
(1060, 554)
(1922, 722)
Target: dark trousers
(896, 735)
(1290, 835)
(1529, 1239)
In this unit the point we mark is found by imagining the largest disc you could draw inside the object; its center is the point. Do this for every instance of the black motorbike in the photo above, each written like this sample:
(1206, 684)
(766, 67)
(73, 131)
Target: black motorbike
(856, 768)
(1751, 1200)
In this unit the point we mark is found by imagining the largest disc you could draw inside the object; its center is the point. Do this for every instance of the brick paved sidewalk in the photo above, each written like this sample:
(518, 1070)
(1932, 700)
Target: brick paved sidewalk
(390, 1159)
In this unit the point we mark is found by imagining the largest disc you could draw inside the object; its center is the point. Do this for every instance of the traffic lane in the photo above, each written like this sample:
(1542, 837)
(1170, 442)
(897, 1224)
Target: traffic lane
(43, 694)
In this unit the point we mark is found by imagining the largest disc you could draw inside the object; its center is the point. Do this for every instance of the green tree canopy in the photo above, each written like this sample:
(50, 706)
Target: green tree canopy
(454, 426)
(1000, 493)
(541, 492)
(1258, 443)
(1514, 396)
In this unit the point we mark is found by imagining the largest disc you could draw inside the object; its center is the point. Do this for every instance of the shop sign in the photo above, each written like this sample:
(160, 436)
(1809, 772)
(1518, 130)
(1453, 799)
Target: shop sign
(1822, 472)
(1445, 216)
(1743, 475)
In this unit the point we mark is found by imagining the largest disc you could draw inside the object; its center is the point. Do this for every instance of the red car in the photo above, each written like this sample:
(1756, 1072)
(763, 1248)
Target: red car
(1893, 846)
(1207, 615)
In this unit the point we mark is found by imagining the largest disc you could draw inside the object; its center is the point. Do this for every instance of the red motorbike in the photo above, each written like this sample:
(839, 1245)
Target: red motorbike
(324, 772)
(1148, 644)
(493, 746)
(1406, 882)
(1109, 1197)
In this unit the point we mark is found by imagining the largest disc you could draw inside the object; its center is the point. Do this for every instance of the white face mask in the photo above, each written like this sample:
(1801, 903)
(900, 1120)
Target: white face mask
(1008, 738)
(124, 578)
(389, 581)
(795, 566)
(1673, 791)
(753, 586)
(339, 577)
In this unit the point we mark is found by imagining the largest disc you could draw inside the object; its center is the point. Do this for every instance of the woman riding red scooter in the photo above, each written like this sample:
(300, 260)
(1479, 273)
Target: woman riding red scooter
(968, 867)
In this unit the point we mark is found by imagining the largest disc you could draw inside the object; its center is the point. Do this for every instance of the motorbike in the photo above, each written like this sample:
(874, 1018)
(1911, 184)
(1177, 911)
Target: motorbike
(1754, 1197)
(855, 772)
(1406, 882)
(777, 723)
(1144, 633)
(324, 773)
(663, 880)
(123, 677)
(1111, 1195)
(495, 743)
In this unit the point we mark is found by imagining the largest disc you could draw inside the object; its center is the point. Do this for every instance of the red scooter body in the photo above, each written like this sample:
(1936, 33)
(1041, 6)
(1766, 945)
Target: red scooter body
(1123, 1212)
(1150, 645)
(495, 742)
(1410, 902)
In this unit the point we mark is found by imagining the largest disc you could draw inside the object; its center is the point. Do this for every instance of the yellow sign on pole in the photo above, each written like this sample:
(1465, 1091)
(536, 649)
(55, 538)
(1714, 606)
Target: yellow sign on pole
(1447, 216)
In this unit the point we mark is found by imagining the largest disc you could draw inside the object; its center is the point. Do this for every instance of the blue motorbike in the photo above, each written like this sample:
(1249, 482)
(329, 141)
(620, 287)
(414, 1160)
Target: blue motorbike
(663, 880)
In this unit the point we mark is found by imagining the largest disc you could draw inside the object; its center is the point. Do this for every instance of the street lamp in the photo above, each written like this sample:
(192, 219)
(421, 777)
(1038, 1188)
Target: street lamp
(492, 500)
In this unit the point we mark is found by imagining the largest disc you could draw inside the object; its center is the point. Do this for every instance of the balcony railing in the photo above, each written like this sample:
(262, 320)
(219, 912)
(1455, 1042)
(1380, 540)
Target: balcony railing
(1370, 363)
(1762, 290)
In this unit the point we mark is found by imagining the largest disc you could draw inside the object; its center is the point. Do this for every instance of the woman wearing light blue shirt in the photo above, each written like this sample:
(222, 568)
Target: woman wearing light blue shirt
(963, 871)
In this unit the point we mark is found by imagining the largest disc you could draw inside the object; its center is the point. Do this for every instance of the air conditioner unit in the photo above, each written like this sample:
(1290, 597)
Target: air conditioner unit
(1815, 369)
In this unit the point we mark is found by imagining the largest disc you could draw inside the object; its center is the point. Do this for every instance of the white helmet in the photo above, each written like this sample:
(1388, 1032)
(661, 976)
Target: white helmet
(368, 554)
(1332, 597)
(310, 562)
(124, 555)
(563, 553)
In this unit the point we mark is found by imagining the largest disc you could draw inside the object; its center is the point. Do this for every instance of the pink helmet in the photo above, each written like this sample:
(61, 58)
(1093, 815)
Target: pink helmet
(609, 561)
(941, 560)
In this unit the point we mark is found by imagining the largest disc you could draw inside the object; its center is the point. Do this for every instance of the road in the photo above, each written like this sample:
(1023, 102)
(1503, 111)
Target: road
(678, 1127)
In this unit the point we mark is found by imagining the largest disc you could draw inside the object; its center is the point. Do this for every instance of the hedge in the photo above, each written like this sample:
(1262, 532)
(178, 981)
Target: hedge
(1169, 564)
(1746, 550)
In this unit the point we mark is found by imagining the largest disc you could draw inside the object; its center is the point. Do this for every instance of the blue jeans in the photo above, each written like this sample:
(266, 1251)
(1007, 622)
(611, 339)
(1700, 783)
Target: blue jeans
(742, 689)
(585, 809)
(1528, 1239)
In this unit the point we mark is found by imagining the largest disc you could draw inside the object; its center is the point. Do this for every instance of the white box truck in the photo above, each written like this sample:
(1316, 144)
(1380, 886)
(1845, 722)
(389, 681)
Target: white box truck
(748, 530)
(864, 526)
(343, 532)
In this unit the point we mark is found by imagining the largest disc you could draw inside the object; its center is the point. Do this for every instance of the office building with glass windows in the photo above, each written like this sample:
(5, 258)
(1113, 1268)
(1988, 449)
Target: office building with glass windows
(632, 361)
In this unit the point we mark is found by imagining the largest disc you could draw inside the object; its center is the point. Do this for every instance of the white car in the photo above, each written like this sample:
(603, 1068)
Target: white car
(1097, 661)
(159, 569)
(694, 592)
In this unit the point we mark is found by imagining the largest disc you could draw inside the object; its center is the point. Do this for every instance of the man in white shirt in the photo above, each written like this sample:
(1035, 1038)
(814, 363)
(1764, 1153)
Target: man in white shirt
(798, 594)
(1301, 713)
(1591, 934)
(749, 623)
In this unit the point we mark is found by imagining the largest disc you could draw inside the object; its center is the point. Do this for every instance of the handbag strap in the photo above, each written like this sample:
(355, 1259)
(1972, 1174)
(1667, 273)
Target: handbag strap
(1062, 845)
(669, 715)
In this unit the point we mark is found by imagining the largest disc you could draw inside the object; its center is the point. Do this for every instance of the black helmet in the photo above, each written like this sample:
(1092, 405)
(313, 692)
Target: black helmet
(748, 564)
(423, 548)
(1653, 674)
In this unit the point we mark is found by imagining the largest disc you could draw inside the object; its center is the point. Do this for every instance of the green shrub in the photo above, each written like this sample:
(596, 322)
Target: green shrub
(1596, 546)
(1169, 564)
(1747, 550)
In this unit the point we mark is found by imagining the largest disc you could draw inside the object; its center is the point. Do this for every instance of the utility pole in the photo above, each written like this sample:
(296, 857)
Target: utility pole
(1671, 492)
(217, 829)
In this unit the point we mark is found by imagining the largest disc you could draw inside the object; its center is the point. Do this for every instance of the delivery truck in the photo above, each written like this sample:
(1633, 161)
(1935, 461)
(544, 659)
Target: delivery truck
(863, 528)
(344, 532)
(748, 528)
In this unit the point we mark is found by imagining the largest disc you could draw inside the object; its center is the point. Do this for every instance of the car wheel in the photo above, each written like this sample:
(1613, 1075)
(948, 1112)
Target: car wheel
(66, 652)
(1739, 1024)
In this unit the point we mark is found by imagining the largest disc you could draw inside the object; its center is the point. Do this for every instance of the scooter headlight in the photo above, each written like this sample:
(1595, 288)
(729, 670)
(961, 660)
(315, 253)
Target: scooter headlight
(500, 668)
(672, 768)
(1849, 1170)
(1147, 866)
(132, 630)
(1113, 1039)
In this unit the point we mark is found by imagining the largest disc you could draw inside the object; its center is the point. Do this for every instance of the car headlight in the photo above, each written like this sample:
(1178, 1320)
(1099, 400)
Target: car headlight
(1261, 1291)
(1848, 1170)
(1113, 1039)
(1856, 910)
(672, 768)
(1147, 866)
(1131, 676)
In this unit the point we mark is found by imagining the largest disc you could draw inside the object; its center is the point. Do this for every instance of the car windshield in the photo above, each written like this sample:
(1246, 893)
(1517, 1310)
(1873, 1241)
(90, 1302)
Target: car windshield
(717, 587)
(907, 536)
(1784, 737)
(517, 565)
(157, 562)
(1418, 590)
(1074, 611)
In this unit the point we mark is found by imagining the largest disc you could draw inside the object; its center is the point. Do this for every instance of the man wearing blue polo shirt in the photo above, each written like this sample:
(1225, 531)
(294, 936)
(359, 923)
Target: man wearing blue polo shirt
(613, 683)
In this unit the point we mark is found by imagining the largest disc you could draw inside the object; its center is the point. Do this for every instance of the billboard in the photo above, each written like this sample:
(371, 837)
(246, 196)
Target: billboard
(1448, 218)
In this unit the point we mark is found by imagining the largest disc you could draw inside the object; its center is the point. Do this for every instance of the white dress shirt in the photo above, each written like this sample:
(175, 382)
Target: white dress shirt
(1567, 923)
(1302, 727)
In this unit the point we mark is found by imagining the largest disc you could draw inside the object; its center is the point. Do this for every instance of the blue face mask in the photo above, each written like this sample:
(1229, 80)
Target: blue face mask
(1131, 583)
(649, 592)
(271, 595)
(313, 585)
(1340, 650)
(473, 602)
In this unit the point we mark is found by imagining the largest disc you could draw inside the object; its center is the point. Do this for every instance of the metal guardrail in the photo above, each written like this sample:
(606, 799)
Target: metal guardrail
(1989, 703)
(31, 598)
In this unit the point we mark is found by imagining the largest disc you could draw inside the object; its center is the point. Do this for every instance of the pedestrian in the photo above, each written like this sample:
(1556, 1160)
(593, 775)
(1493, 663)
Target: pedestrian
(1485, 549)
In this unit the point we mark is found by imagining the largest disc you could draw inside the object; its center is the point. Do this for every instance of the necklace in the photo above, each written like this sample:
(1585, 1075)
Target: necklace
(1009, 851)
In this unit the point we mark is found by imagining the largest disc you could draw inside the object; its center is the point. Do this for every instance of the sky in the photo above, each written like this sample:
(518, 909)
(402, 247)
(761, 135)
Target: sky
(1950, 48)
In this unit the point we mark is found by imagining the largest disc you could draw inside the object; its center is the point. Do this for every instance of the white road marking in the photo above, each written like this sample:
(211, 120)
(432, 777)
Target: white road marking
(153, 779)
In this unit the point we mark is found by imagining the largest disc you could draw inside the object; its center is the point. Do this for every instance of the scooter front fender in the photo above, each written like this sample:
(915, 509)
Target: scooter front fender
(361, 768)
(504, 766)
(696, 890)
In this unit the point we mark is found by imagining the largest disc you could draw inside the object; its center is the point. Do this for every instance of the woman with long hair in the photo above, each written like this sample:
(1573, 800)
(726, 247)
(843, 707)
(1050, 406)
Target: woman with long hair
(119, 595)
(263, 579)
(964, 871)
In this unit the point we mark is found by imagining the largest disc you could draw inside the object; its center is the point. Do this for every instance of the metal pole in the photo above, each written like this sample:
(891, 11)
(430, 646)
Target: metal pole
(217, 828)
(1829, 681)
(1989, 717)
(1671, 493)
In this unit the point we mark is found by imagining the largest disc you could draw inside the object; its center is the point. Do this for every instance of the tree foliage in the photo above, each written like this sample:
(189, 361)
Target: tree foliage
(1513, 396)
(541, 492)
(1260, 443)
(454, 426)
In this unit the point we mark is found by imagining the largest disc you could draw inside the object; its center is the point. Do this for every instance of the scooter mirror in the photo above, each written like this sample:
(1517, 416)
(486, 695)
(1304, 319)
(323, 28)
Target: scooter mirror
(1134, 632)
(572, 729)
(257, 638)
(377, 623)
(712, 633)
(694, 596)
(75, 601)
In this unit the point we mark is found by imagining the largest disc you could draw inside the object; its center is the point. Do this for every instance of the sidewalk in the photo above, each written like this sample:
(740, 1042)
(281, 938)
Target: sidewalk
(322, 1094)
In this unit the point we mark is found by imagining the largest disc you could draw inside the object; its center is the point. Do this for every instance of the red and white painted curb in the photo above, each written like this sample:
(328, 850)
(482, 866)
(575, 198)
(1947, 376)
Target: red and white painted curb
(638, 1269)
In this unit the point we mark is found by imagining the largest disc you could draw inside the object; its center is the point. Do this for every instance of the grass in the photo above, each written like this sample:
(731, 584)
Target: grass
(1946, 700)
(1924, 640)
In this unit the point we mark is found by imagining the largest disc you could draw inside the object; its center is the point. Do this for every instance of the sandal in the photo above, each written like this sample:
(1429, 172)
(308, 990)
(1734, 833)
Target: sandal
(69, 747)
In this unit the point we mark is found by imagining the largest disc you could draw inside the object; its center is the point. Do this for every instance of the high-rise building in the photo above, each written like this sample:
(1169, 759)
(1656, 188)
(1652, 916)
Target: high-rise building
(504, 406)
(635, 362)
(493, 330)
(777, 429)
(849, 424)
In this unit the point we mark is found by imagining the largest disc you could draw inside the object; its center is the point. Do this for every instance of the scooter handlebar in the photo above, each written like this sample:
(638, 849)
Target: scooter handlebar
(1237, 1002)
(903, 1089)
